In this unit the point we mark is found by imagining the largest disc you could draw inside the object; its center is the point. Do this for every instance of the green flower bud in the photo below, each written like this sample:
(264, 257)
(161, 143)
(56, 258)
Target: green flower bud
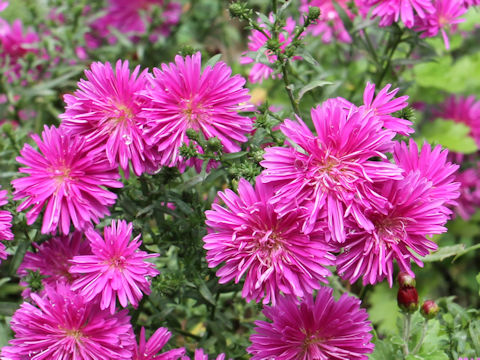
(429, 309)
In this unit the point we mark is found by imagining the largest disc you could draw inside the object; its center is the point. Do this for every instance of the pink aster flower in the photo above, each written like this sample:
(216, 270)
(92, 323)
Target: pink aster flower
(445, 16)
(329, 25)
(52, 258)
(148, 350)
(257, 40)
(3, 5)
(319, 328)
(183, 97)
(5, 224)
(382, 107)
(105, 110)
(67, 179)
(433, 165)
(64, 325)
(116, 269)
(416, 209)
(391, 11)
(252, 239)
(331, 173)
(465, 110)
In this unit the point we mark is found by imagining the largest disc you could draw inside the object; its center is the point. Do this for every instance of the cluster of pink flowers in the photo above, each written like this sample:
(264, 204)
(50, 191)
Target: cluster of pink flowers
(132, 18)
(117, 119)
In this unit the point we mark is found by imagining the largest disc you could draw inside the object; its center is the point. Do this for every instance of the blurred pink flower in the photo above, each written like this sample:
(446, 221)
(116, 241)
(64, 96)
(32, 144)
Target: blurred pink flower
(66, 178)
(329, 25)
(251, 238)
(319, 328)
(469, 200)
(182, 97)
(115, 269)
(445, 17)
(391, 11)
(64, 325)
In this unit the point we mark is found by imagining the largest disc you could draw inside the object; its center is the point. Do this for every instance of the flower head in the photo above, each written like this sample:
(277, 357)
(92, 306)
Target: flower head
(105, 110)
(67, 178)
(319, 328)
(183, 97)
(116, 269)
(200, 355)
(252, 239)
(331, 173)
(446, 15)
(391, 11)
(52, 258)
(64, 325)
(415, 209)
(148, 350)
(469, 199)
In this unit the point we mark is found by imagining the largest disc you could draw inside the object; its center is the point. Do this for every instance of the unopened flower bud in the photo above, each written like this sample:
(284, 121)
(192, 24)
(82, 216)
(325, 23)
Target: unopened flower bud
(313, 13)
(429, 309)
(192, 134)
(272, 44)
(214, 144)
(407, 299)
(405, 279)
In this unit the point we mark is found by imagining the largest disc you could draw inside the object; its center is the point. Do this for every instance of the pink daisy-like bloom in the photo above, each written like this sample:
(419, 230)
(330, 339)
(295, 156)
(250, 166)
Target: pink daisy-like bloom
(116, 269)
(432, 164)
(382, 107)
(319, 328)
(183, 97)
(148, 350)
(416, 209)
(329, 25)
(252, 239)
(331, 173)
(3, 5)
(5, 225)
(105, 110)
(257, 40)
(465, 110)
(446, 16)
(64, 325)
(391, 11)
(52, 258)
(68, 179)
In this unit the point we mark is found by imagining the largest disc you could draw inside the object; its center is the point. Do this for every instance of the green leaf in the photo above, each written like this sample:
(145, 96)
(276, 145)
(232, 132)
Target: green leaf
(384, 310)
(311, 86)
(451, 135)
(444, 252)
(478, 281)
(213, 60)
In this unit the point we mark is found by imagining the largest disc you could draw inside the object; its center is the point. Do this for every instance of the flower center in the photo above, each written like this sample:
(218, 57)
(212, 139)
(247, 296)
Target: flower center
(391, 230)
(74, 333)
(194, 112)
(122, 114)
(60, 174)
(310, 339)
(117, 262)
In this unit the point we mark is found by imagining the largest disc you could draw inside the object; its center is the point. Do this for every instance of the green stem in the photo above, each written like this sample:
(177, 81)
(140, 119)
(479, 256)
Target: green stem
(422, 337)
(288, 87)
(406, 333)
(390, 50)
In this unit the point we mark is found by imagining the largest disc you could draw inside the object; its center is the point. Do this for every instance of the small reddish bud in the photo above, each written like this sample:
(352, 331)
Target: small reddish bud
(407, 299)
(405, 280)
(429, 309)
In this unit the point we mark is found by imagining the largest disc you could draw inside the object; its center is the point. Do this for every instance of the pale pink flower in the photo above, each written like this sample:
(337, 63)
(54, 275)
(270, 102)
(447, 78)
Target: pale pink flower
(116, 269)
(319, 328)
(64, 325)
(148, 350)
(106, 111)
(183, 97)
(445, 17)
(331, 173)
(253, 240)
(67, 179)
